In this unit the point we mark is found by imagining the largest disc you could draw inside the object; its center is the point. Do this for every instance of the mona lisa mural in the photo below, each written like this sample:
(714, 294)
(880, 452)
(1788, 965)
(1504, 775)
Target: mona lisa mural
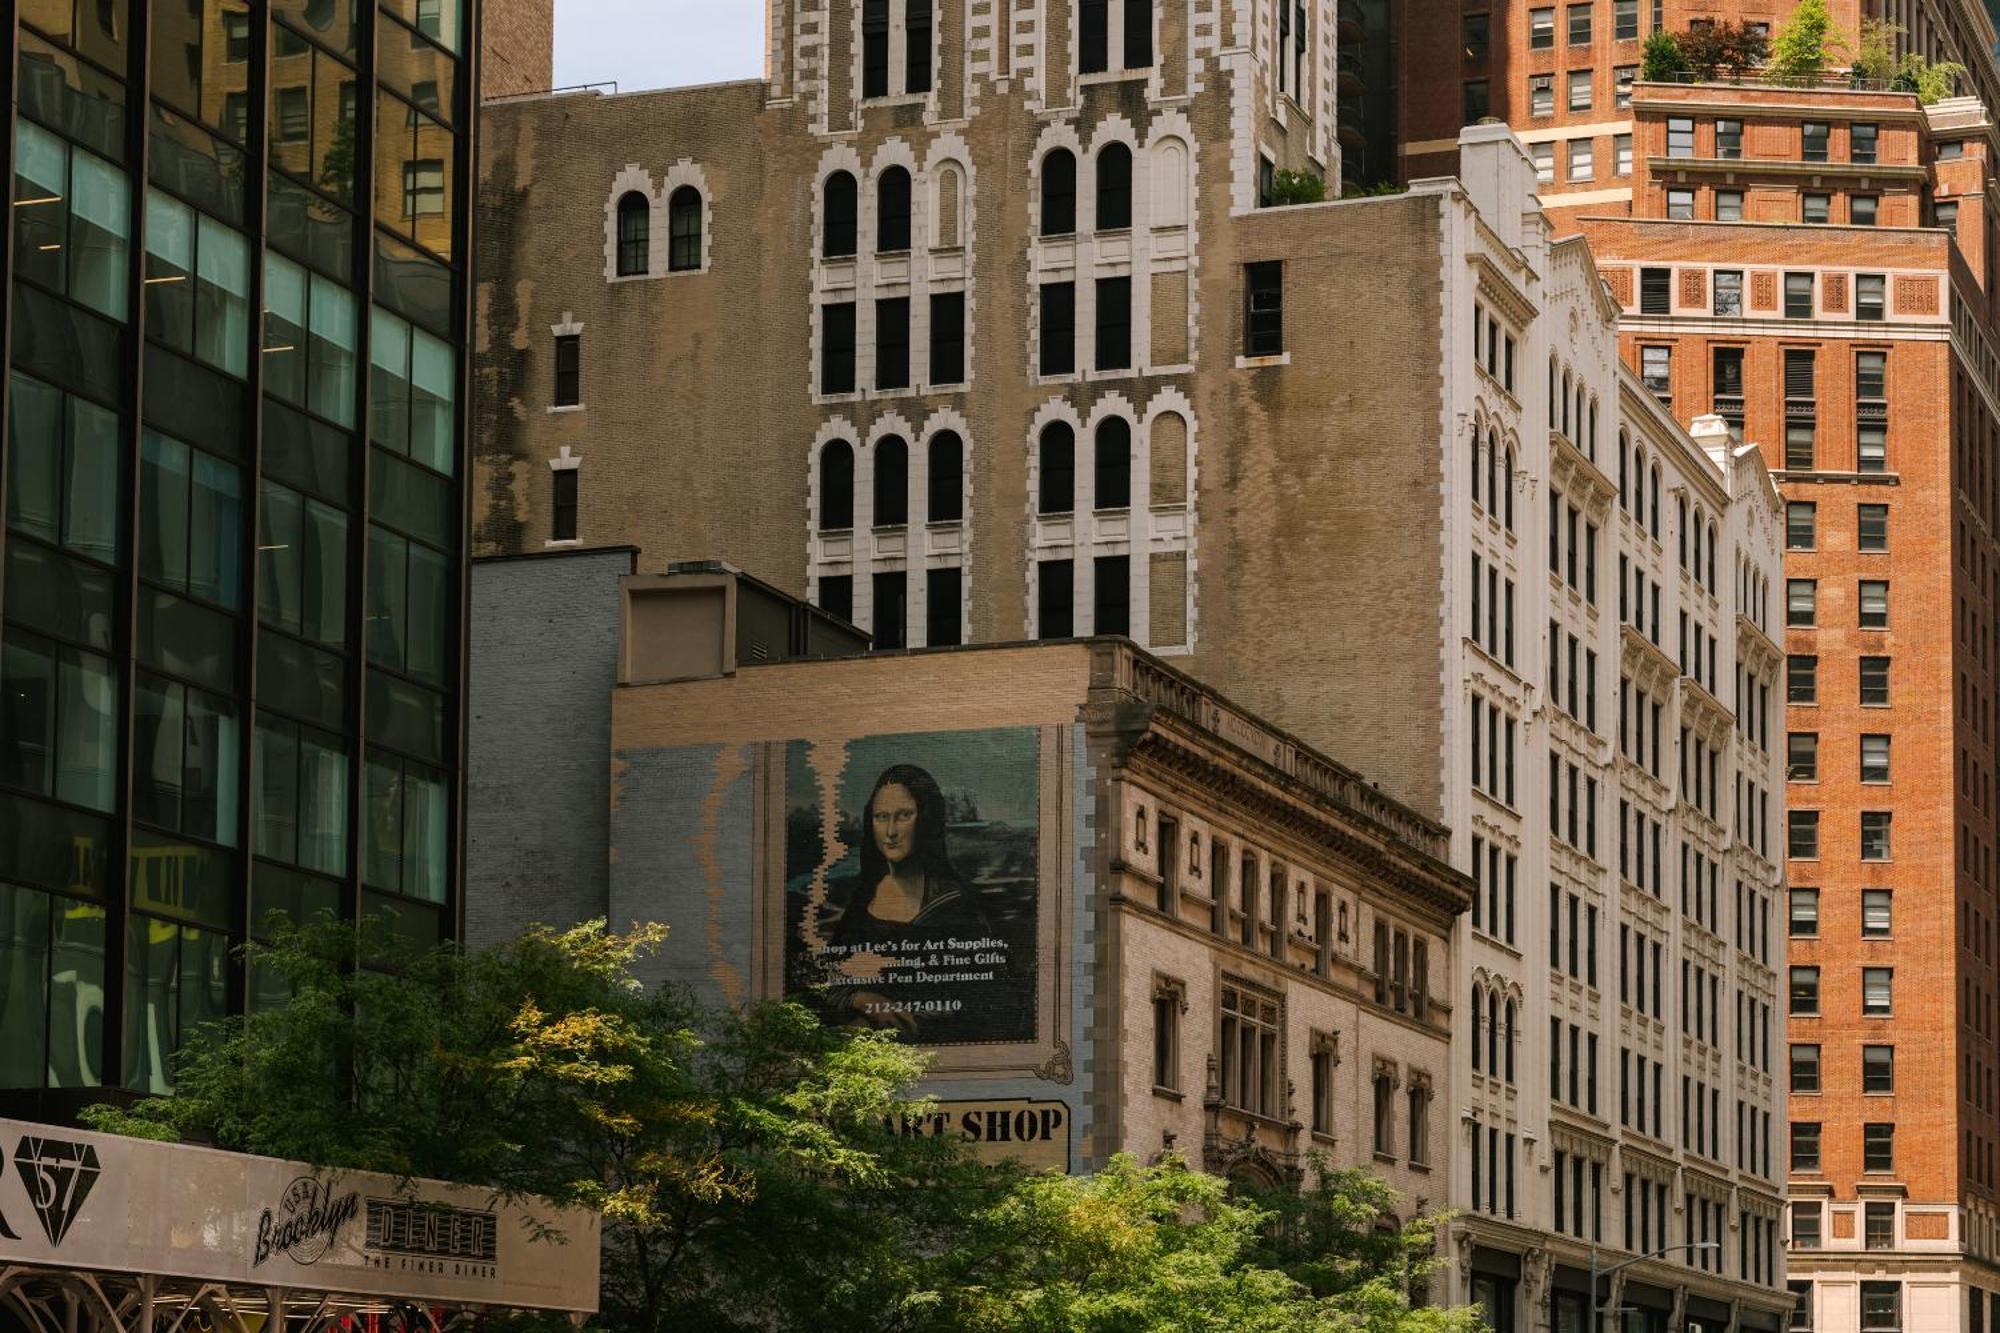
(912, 883)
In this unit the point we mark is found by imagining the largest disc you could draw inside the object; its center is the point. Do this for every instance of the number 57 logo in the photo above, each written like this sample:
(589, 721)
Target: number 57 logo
(58, 1176)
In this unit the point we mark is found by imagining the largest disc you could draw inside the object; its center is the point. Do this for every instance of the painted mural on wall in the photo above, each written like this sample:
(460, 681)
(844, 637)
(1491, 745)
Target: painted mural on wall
(911, 883)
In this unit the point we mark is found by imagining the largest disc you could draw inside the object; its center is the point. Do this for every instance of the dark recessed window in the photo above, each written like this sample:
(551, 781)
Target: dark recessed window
(1264, 308)
(836, 486)
(947, 338)
(945, 478)
(836, 348)
(892, 482)
(1113, 473)
(1114, 188)
(892, 211)
(1059, 193)
(1055, 594)
(1114, 324)
(842, 205)
(569, 370)
(1056, 466)
(634, 223)
(562, 524)
(684, 230)
(1058, 332)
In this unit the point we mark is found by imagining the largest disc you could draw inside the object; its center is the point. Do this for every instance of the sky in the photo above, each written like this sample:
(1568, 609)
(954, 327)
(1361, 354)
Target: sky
(658, 43)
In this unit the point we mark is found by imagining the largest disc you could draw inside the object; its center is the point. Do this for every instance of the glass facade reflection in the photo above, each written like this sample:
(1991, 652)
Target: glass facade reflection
(230, 611)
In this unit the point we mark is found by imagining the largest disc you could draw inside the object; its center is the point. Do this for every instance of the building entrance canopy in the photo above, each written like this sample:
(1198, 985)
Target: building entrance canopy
(128, 1236)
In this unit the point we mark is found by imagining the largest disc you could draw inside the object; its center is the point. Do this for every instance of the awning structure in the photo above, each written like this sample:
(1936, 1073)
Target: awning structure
(100, 1234)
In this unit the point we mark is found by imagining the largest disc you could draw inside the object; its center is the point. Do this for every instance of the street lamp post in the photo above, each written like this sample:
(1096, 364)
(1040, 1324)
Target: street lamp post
(1598, 1311)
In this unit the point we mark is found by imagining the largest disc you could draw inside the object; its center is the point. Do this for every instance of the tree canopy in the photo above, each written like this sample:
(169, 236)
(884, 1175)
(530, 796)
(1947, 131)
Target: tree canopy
(752, 1165)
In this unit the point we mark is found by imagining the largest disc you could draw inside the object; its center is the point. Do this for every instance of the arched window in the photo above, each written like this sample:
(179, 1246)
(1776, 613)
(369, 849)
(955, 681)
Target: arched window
(946, 478)
(945, 234)
(836, 486)
(1059, 193)
(1058, 470)
(1114, 188)
(1493, 478)
(1507, 1040)
(841, 204)
(1565, 404)
(892, 211)
(1114, 464)
(1507, 486)
(1593, 428)
(892, 482)
(684, 230)
(634, 223)
(1478, 995)
(1624, 464)
(1711, 556)
(1653, 517)
(1478, 465)
(1493, 1033)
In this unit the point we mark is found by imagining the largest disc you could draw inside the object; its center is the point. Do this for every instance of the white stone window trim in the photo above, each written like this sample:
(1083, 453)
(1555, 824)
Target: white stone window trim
(659, 240)
(862, 563)
(564, 462)
(899, 65)
(1138, 541)
(1263, 362)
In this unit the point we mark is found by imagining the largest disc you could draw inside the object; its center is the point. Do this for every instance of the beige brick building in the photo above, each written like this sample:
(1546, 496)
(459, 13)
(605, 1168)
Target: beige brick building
(970, 325)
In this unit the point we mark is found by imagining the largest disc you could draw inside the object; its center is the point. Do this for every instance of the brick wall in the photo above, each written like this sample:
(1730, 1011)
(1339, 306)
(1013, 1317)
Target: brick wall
(517, 47)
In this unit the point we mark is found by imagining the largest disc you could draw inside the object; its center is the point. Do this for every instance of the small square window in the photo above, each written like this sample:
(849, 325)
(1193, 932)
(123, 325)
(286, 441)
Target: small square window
(1875, 835)
(1622, 79)
(1680, 137)
(1861, 210)
(1805, 1146)
(1478, 30)
(1805, 1064)
(1802, 756)
(1625, 20)
(1801, 603)
(1541, 95)
(1800, 518)
(1542, 29)
(1875, 682)
(1477, 101)
(1868, 297)
(1877, 907)
(1861, 140)
(1875, 758)
(1872, 527)
(1805, 1002)
(1802, 834)
(1798, 296)
(1728, 284)
(1878, 991)
(1544, 155)
(1581, 160)
(1871, 447)
(1878, 1069)
(1813, 136)
(1815, 208)
(1801, 679)
(1729, 138)
(1579, 25)
(1805, 914)
(1878, 1153)
(1680, 205)
(1806, 1224)
(1874, 603)
(1729, 205)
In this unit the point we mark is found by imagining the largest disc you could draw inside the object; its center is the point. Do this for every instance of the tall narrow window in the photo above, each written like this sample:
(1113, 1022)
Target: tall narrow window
(1058, 333)
(1055, 594)
(1114, 188)
(684, 230)
(841, 208)
(892, 482)
(1111, 595)
(562, 524)
(1114, 324)
(1264, 308)
(1093, 33)
(1059, 193)
(874, 48)
(836, 348)
(943, 618)
(892, 211)
(892, 343)
(569, 370)
(1138, 34)
(945, 478)
(917, 46)
(1056, 493)
(634, 220)
(947, 338)
(1114, 464)
(836, 486)
(891, 615)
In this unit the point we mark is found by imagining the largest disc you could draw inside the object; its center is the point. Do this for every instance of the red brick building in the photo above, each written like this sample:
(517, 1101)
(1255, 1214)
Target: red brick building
(1811, 266)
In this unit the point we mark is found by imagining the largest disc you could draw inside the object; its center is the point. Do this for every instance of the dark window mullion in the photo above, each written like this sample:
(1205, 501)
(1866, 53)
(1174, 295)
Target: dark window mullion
(255, 211)
(362, 281)
(10, 101)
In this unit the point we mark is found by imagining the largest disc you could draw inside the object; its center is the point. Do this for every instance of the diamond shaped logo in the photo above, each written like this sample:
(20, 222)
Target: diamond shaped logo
(58, 1175)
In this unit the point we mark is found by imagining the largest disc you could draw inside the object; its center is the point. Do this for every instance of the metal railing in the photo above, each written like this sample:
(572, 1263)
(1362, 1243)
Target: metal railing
(1838, 80)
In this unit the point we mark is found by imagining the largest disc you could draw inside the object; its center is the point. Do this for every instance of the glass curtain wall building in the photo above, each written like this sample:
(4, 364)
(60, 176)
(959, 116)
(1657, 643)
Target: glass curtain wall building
(230, 621)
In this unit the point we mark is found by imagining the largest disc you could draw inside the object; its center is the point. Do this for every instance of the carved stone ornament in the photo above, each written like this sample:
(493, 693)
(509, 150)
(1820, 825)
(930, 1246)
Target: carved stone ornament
(1058, 1067)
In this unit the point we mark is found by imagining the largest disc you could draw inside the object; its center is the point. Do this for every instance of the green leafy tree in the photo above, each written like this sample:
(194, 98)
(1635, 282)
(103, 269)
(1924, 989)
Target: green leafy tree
(1930, 82)
(754, 1169)
(1875, 52)
(1805, 43)
(1297, 187)
(748, 1164)
(1661, 58)
(1165, 1248)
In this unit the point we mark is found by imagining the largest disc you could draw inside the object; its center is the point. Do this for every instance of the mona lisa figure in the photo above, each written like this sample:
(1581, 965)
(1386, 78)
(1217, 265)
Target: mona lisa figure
(907, 895)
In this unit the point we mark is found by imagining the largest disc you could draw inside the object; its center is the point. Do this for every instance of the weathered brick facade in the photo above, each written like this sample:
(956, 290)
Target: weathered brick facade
(517, 50)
